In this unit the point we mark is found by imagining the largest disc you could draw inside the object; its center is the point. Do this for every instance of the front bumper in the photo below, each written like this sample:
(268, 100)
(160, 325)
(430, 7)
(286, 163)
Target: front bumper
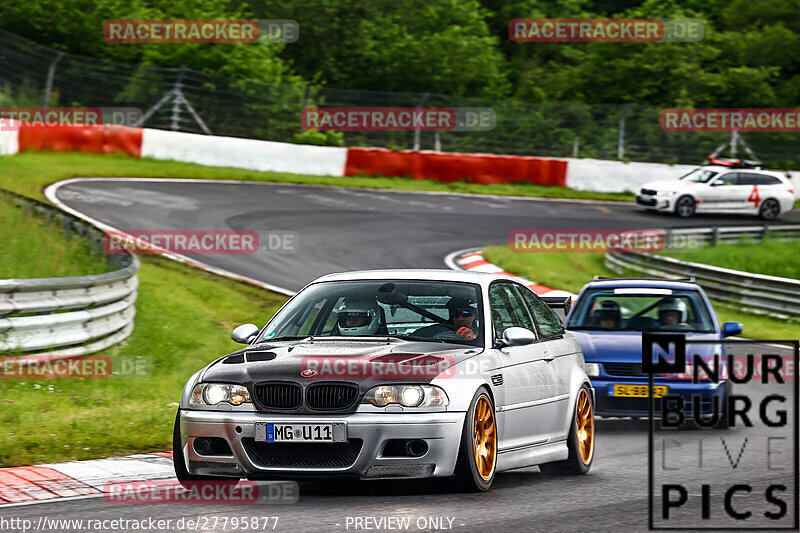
(611, 406)
(441, 431)
(660, 203)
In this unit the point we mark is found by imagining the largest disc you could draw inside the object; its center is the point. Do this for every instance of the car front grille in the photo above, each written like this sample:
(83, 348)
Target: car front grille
(646, 201)
(304, 454)
(648, 192)
(331, 395)
(624, 369)
(279, 395)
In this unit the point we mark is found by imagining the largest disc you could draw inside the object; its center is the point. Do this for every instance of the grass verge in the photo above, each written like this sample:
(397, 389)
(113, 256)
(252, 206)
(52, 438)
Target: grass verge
(32, 248)
(29, 172)
(571, 271)
(183, 320)
(771, 257)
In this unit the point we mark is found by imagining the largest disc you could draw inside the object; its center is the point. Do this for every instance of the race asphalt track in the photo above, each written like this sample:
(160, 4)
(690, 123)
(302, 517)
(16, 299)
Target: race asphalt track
(344, 229)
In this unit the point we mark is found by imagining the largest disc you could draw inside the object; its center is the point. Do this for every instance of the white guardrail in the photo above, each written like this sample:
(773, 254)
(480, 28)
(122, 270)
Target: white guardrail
(770, 295)
(79, 314)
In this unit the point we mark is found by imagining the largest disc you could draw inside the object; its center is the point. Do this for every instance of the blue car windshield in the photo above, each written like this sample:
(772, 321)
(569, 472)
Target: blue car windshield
(641, 309)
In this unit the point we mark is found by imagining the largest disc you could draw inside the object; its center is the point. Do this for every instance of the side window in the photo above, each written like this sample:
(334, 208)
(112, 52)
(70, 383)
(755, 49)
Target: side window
(549, 323)
(731, 178)
(508, 309)
(747, 178)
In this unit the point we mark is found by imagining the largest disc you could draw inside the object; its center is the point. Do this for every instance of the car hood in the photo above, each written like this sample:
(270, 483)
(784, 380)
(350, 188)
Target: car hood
(366, 362)
(670, 185)
(626, 346)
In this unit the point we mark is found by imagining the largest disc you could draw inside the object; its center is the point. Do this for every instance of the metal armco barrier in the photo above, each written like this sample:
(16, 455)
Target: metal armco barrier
(764, 294)
(78, 314)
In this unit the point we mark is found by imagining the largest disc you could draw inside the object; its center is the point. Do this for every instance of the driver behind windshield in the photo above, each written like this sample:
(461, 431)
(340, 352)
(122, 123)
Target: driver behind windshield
(461, 321)
(462, 316)
(608, 315)
(672, 313)
(360, 318)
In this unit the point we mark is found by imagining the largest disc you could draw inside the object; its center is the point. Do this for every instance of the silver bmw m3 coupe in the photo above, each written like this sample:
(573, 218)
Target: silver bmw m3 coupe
(393, 374)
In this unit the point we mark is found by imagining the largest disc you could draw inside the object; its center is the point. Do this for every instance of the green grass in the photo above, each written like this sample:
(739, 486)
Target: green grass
(183, 321)
(29, 172)
(34, 248)
(571, 271)
(771, 257)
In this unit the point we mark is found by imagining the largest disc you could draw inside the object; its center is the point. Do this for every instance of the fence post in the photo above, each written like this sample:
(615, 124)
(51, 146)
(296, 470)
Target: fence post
(51, 72)
(714, 235)
(176, 105)
(621, 139)
(575, 145)
(416, 129)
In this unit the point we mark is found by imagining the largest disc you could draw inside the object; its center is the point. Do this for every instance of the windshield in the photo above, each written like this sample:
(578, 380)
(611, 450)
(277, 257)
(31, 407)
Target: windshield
(701, 175)
(641, 309)
(426, 310)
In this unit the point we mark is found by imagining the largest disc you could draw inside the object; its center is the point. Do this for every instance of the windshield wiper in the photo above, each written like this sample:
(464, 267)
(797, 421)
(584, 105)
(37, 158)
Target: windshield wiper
(426, 339)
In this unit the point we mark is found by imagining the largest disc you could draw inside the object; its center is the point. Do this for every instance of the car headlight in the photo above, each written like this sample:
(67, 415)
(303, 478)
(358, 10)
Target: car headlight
(216, 393)
(592, 369)
(665, 193)
(407, 396)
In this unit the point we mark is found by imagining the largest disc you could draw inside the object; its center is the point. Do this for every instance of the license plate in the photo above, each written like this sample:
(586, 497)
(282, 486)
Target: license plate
(270, 432)
(638, 391)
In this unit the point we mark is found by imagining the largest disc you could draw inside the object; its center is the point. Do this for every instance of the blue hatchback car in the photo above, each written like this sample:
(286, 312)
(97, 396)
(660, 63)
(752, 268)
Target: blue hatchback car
(608, 319)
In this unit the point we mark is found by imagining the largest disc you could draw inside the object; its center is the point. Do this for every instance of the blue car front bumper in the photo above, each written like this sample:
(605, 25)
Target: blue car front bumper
(608, 404)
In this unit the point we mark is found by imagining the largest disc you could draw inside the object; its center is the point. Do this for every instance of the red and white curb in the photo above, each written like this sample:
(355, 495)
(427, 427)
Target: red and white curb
(23, 485)
(473, 261)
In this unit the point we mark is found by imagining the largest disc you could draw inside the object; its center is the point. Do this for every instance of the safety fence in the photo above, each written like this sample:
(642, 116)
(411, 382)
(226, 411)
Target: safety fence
(75, 315)
(770, 295)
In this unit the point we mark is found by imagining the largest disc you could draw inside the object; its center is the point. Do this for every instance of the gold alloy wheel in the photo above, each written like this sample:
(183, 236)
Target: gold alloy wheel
(485, 438)
(584, 426)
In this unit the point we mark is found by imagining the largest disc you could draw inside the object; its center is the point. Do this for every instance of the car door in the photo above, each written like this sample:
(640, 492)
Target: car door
(724, 194)
(529, 380)
(550, 331)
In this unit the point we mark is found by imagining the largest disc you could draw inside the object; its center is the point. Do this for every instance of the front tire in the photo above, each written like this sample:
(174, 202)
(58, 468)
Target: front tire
(580, 442)
(770, 209)
(477, 456)
(685, 207)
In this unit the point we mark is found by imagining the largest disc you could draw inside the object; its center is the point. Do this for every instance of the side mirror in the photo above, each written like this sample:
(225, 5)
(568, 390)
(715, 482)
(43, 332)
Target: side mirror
(717, 183)
(518, 336)
(729, 329)
(245, 334)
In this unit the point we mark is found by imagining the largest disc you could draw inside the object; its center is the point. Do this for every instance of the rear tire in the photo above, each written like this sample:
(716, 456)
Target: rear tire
(477, 455)
(580, 442)
(685, 206)
(770, 209)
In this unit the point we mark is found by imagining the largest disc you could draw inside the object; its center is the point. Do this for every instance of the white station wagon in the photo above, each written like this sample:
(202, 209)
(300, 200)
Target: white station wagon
(722, 187)
(393, 374)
